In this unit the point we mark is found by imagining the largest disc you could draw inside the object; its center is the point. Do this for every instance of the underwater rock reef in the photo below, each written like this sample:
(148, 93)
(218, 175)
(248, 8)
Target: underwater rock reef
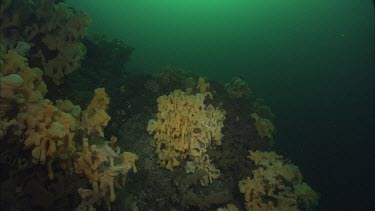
(175, 140)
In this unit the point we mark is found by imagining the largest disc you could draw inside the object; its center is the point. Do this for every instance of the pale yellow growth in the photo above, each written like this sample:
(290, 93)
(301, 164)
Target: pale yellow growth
(5, 124)
(68, 107)
(49, 133)
(229, 207)
(95, 117)
(9, 86)
(186, 127)
(28, 82)
(102, 164)
(68, 60)
(60, 29)
(264, 126)
(88, 162)
(204, 87)
(276, 185)
(238, 88)
(47, 130)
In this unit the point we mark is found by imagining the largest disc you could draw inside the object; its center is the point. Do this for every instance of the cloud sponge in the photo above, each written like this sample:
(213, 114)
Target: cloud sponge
(186, 127)
(276, 185)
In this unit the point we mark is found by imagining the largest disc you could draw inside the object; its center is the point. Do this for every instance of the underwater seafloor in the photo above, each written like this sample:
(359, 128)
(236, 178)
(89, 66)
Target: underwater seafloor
(175, 140)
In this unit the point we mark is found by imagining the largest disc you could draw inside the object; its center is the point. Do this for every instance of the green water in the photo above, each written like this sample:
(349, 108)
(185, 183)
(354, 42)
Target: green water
(313, 62)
